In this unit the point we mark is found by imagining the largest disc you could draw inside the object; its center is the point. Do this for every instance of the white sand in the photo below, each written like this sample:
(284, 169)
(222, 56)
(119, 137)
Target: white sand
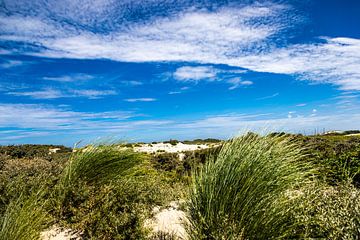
(354, 134)
(57, 233)
(167, 147)
(169, 220)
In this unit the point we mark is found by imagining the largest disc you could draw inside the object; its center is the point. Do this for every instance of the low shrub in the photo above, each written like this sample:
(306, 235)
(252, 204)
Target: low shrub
(107, 193)
(327, 212)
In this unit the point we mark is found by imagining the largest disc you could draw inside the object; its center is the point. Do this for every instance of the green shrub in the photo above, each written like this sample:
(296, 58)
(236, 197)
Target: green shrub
(172, 142)
(31, 150)
(241, 194)
(327, 212)
(337, 156)
(115, 211)
(107, 193)
(166, 161)
(19, 177)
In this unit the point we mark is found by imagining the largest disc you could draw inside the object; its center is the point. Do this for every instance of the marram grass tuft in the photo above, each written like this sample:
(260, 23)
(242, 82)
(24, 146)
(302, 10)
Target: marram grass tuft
(243, 193)
(24, 218)
(100, 164)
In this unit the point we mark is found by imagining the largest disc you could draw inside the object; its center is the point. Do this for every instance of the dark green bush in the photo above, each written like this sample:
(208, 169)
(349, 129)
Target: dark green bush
(172, 142)
(31, 150)
(338, 157)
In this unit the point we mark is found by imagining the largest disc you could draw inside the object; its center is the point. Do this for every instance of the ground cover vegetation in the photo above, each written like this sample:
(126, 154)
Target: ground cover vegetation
(277, 186)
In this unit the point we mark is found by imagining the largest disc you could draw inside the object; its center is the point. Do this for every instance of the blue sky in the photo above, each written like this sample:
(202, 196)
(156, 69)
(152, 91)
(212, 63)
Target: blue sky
(159, 69)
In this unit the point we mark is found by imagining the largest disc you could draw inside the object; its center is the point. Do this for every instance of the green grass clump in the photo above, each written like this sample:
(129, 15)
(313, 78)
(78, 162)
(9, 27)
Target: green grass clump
(99, 164)
(241, 195)
(24, 218)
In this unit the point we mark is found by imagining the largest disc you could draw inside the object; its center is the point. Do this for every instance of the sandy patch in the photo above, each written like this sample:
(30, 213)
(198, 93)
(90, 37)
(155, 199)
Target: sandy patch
(169, 220)
(167, 147)
(57, 233)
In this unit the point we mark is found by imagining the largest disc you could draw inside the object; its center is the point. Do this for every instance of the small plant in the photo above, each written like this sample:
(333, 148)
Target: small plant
(173, 142)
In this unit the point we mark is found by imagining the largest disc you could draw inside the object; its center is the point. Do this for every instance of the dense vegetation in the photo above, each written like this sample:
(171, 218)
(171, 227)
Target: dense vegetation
(253, 187)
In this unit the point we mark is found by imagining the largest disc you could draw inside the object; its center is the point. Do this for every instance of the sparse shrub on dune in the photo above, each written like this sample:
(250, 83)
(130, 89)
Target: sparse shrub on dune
(327, 212)
(241, 194)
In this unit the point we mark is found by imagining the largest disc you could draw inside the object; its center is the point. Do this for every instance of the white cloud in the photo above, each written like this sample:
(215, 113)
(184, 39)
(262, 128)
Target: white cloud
(181, 90)
(41, 94)
(174, 92)
(238, 82)
(49, 93)
(268, 97)
(199, 36)
(44, 117)
(11, 63)
(290, 114)
(133, 83)
(70, 78)
(336, 61)
(210, 74)
(140, 100)
(238, 36)
(188, 73)
(92, 94)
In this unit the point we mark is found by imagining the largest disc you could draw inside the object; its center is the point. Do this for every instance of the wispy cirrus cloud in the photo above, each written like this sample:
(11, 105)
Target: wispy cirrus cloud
(70, 78)
(238, 82)
(210, 74)
(33, 121)
(47, 117)
(188, 73)
(40, 94)
(50, 93)
(92, 94)
(269, 96)
(140, 99)
(11, 63)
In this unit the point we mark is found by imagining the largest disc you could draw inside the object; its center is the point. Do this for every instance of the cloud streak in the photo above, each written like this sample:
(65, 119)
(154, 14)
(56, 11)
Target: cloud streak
(70, 78)
(140, 99)
(50, 93)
